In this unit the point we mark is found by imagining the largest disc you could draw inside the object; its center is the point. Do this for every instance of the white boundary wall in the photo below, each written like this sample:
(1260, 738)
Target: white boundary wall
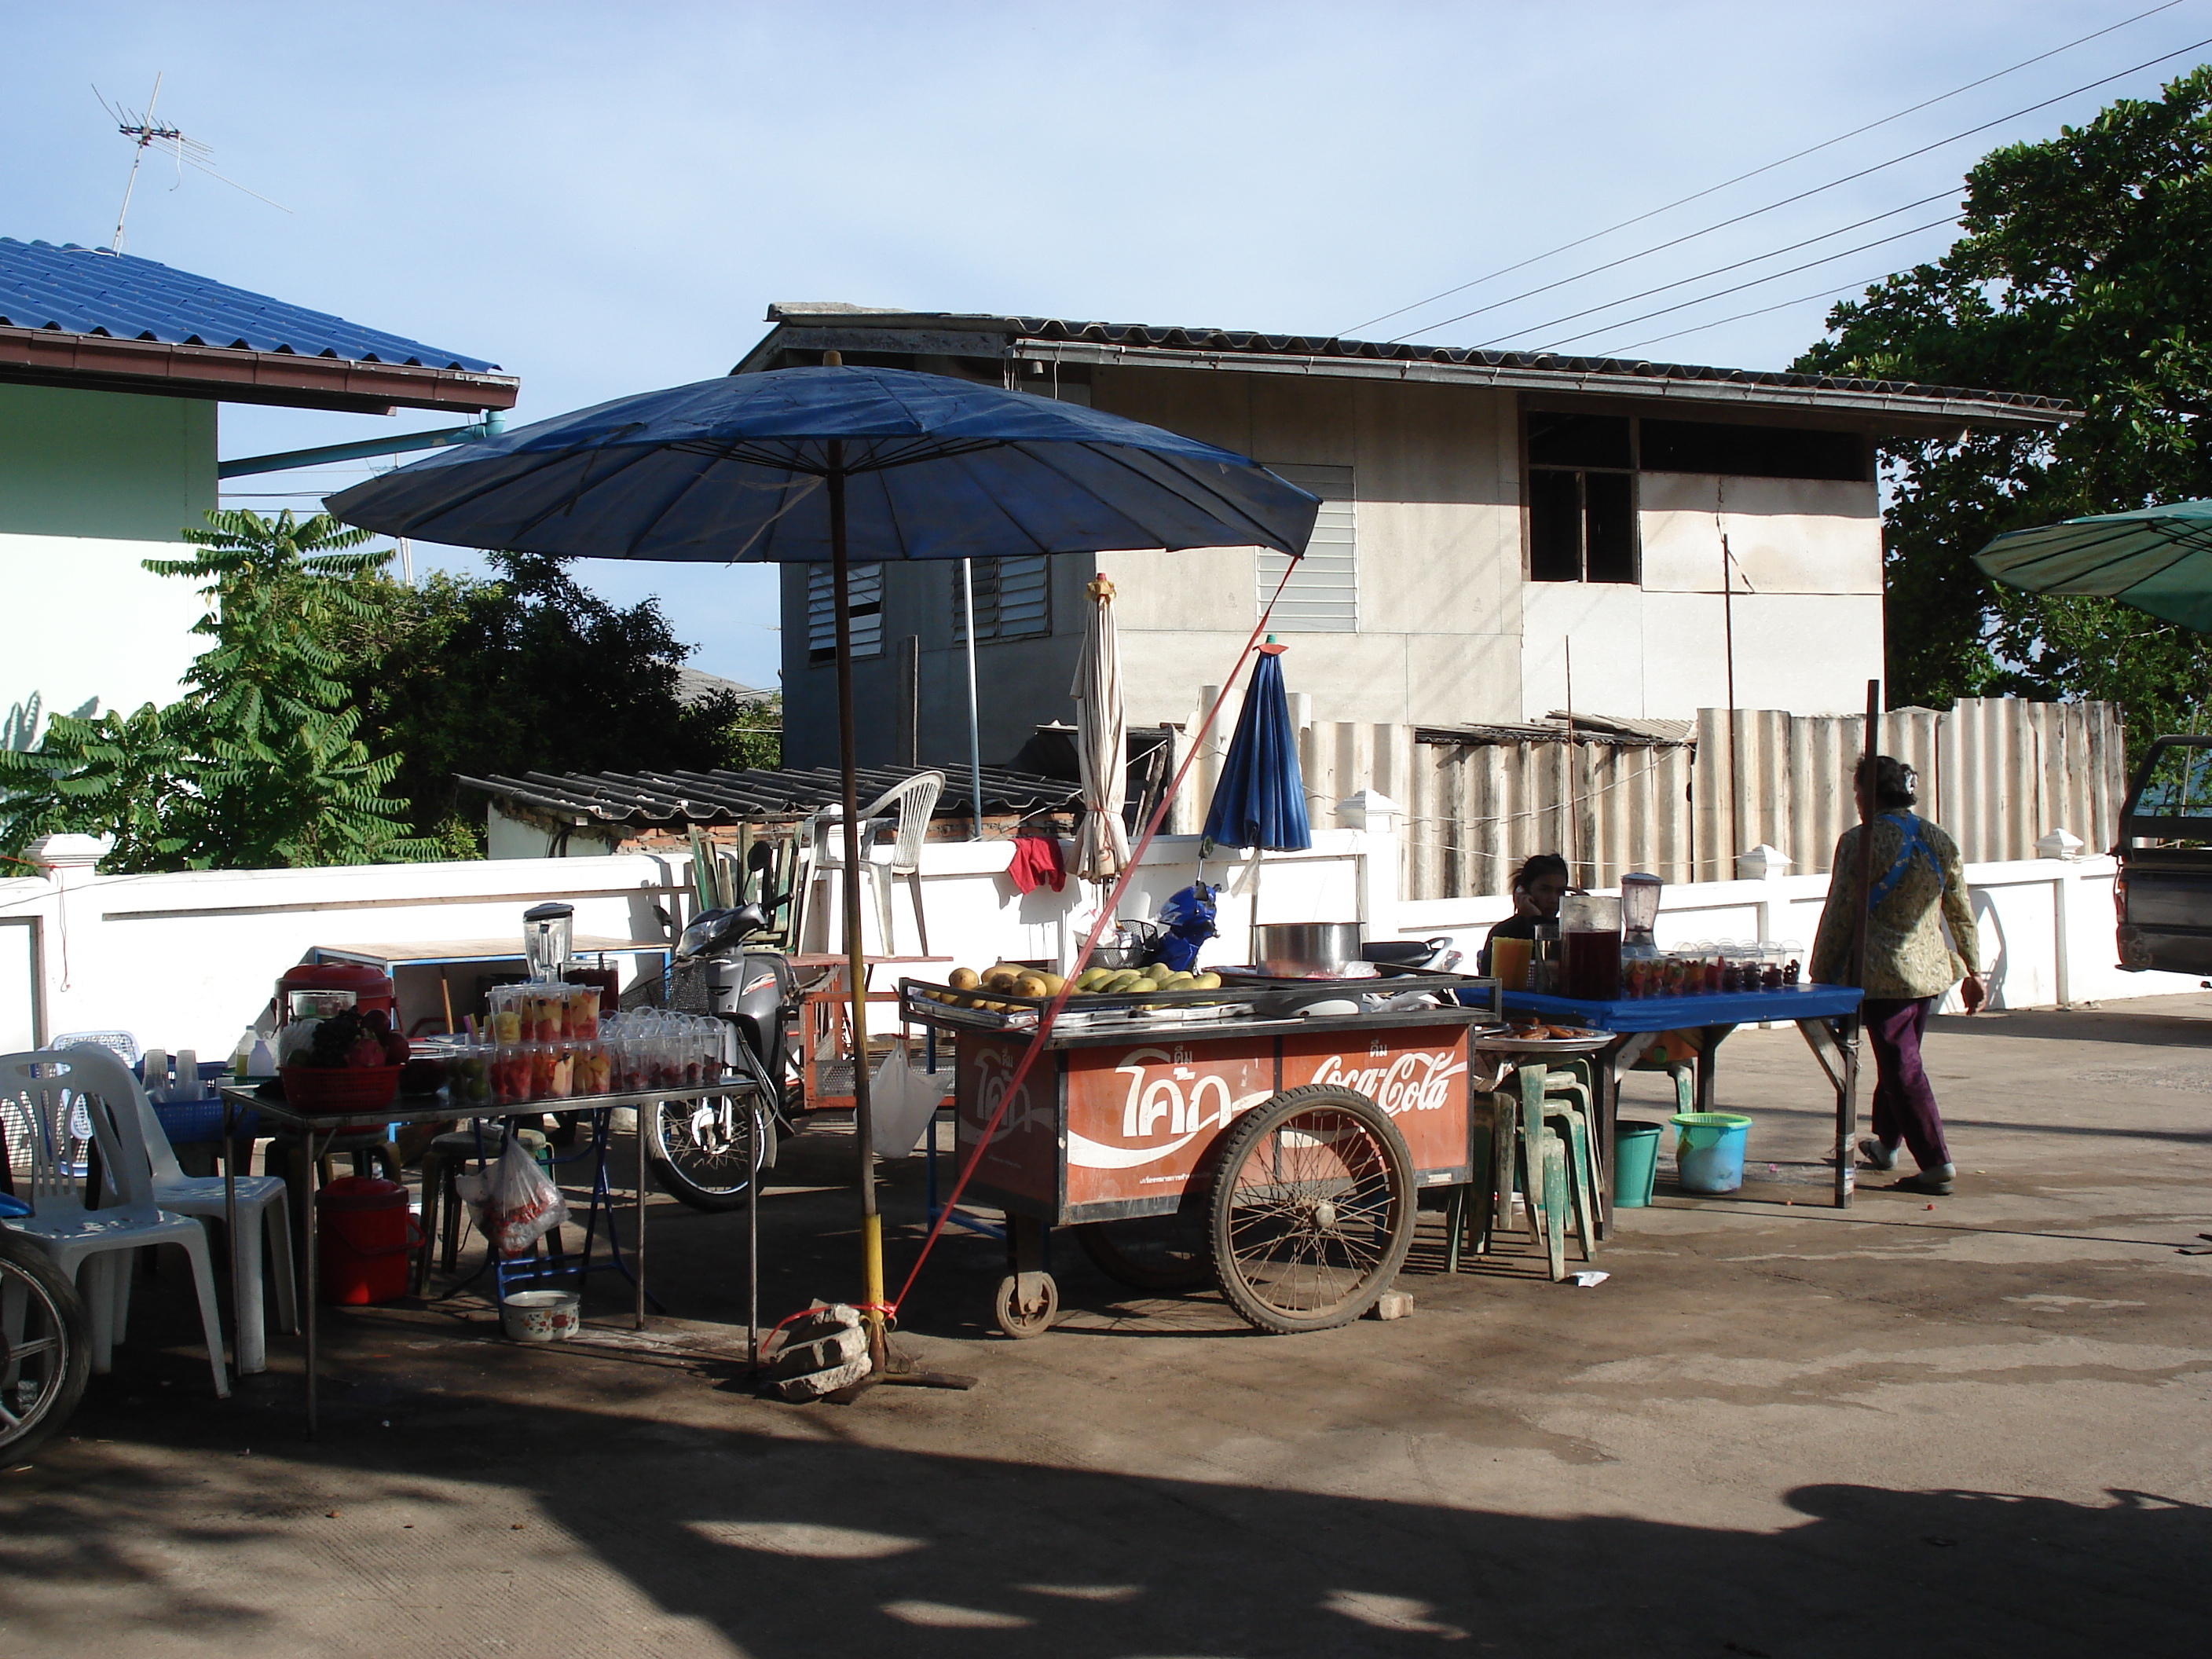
(189, 959)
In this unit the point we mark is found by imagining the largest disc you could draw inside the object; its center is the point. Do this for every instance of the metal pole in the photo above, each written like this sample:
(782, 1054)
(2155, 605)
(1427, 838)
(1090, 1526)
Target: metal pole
(856, 963)
(1736, 777)
(974, 734)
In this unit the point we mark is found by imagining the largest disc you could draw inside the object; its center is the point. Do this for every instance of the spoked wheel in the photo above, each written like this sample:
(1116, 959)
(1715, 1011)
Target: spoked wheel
(45, 1353)
(1148, 1253)
(707, 1153)
(1312, 1210)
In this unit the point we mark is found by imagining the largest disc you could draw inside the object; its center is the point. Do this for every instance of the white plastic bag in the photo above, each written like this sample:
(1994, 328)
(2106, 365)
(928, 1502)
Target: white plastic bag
(515, 1203)
(903, 1098)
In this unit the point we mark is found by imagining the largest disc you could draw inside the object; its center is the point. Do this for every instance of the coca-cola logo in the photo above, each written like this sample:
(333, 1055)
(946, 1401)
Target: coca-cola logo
(1169, 1103)
(994, 1069)
(1414, 1081)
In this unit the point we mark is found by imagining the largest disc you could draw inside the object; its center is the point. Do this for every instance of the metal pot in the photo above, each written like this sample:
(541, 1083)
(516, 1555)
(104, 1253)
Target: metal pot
(1289, 948)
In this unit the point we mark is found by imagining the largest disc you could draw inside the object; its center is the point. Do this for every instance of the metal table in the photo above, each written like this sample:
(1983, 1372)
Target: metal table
(1825, 1016)
(433, 1108)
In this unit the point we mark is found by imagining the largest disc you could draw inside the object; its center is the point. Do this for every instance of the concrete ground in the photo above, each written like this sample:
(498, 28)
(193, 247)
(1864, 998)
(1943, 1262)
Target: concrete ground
(1972, 1426)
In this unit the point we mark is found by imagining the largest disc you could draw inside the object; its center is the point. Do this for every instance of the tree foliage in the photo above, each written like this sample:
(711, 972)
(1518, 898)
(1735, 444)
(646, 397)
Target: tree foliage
(532, 672)
(2079, 274)
(258, 766)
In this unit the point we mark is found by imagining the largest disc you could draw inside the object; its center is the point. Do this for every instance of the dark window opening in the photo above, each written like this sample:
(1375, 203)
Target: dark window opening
(1555, 440)
(1582, 526)
(1749, 452)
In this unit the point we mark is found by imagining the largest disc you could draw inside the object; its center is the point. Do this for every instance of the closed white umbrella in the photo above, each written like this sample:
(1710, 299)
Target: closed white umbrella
(1101, 741)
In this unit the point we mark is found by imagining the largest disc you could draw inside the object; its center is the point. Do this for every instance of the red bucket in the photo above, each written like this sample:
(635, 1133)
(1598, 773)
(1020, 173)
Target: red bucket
(365, 1236)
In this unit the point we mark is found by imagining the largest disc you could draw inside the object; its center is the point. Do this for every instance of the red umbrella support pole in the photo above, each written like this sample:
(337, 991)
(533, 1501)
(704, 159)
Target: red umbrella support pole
(856, 966)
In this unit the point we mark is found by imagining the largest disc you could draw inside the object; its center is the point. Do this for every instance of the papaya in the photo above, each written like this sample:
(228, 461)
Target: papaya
(963, 979)
(1180, 981)
(1091, 978)
(1028, 985)
(1126, 980)
(1207, 982)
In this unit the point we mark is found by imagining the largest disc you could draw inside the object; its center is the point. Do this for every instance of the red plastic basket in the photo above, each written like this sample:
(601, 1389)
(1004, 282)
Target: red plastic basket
(326, 1092)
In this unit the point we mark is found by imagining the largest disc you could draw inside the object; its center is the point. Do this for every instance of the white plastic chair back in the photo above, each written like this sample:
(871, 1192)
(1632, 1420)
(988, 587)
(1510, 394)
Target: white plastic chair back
(43, 1095)
(915, 800)
(123, 1043)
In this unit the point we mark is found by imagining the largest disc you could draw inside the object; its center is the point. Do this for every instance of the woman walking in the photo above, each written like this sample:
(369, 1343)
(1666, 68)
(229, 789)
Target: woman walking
(1917, 888)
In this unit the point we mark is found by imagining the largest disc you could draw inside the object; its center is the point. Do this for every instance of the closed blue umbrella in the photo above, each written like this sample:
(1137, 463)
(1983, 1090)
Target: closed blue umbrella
(833, 465)
(1259, 798)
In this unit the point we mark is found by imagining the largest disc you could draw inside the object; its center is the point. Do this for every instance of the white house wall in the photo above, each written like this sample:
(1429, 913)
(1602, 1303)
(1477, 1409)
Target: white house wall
(92, 622)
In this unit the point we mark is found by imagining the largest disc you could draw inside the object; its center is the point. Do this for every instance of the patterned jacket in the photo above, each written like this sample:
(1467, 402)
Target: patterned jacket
(1907, 957)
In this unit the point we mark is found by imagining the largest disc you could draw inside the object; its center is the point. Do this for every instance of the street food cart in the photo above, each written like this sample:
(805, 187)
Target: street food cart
(1306, 1136)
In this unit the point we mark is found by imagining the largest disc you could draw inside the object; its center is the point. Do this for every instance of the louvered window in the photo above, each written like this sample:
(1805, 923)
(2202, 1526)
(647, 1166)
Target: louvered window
(1323, 596)
(1013, 599)
(866, 582)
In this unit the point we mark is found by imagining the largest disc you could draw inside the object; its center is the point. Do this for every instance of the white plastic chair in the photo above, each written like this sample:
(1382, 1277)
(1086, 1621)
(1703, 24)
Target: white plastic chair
(913, 801)
(264, 1209)
(41, 1092)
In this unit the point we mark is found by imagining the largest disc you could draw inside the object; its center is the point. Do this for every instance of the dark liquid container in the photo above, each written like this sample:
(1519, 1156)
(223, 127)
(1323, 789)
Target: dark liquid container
(1591, 969)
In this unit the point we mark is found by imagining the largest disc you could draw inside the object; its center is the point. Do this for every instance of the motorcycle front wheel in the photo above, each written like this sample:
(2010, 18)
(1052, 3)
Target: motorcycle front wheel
(709, 1152)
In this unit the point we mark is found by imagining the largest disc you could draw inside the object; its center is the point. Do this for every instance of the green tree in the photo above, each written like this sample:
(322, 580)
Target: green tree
(2081, 274)
(284, 778)
(117, 774)
(530, 671)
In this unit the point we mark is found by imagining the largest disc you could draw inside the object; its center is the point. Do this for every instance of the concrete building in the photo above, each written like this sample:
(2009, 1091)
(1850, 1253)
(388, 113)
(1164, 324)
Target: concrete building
(111, 369)
(1491, 521)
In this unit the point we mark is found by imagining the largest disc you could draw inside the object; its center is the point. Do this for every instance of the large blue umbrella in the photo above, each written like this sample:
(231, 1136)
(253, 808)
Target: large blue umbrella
(834, 464)
(1259, 798)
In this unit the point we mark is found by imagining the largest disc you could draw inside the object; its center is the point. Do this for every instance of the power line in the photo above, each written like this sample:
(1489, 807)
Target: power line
(1690, 236)
(1825, 143)
(1743, 316)
(1722, 271)
(1629, 322)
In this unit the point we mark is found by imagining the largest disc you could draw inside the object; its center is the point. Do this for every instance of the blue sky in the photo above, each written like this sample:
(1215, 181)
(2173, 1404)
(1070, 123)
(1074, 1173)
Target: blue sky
(605, 199)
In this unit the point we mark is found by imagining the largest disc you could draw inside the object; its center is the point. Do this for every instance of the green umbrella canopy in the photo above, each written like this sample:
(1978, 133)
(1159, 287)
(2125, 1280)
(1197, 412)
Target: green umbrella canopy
(2157, 559)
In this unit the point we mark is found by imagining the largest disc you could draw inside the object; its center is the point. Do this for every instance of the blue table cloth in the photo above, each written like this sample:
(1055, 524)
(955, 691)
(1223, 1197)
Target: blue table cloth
(1628, 1014)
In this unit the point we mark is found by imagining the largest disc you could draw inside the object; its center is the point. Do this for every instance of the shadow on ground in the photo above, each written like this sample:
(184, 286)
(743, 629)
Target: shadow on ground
(812, 1546)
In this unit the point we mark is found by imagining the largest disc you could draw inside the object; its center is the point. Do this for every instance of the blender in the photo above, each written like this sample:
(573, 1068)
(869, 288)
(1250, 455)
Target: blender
(1639, 913)
(548, 932)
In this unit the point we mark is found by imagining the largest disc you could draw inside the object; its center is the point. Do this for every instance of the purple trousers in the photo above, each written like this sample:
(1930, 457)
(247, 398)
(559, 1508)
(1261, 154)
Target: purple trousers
(1904, 1103)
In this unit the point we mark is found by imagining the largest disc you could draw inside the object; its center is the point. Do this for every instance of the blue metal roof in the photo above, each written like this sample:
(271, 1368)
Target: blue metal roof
(85, 290)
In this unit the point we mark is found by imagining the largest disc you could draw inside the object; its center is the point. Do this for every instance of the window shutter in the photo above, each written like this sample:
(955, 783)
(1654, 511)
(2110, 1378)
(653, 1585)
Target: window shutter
(1013, 599)
(1323, 595)
(866, 584)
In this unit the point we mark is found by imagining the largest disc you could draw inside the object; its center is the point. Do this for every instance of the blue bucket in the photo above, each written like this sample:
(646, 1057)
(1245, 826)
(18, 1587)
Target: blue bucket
(1709, 1150)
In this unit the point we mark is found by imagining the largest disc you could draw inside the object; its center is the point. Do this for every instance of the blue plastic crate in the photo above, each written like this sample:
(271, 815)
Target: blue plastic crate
(188, 1122)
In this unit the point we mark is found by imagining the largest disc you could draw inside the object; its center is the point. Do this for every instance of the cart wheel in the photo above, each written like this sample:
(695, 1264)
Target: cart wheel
(1034, 1319)
(1148, 1253)
(1313, 1210)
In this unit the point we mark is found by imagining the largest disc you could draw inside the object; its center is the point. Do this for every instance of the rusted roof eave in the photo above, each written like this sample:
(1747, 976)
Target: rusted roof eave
(1917, 410)
(156, 368)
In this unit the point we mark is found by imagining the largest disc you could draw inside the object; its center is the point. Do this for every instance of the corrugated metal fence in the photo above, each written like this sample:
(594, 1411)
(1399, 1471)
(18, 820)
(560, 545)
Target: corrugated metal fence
(1997, 773)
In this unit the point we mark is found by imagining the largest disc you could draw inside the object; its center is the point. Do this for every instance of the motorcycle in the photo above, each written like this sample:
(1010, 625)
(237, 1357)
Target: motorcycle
(709, 1152)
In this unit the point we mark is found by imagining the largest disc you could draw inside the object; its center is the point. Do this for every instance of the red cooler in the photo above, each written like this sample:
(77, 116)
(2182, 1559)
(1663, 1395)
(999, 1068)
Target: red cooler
(366, 1237)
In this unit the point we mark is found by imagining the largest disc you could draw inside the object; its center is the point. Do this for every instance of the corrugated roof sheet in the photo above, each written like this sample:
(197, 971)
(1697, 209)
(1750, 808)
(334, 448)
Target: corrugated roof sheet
(674, 800)
(1588, 729)
(82, 290)
(1153, 336)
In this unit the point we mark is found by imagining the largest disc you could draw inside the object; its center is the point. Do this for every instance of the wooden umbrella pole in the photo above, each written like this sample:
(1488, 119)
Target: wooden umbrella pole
(1847, 1107)
(856, 965)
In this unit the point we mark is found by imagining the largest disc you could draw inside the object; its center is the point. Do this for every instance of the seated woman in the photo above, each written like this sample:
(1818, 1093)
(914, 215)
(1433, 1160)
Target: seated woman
(1538, 886)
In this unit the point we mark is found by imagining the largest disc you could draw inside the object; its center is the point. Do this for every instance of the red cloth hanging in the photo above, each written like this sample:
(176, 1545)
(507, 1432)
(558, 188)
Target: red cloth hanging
(1037, 863)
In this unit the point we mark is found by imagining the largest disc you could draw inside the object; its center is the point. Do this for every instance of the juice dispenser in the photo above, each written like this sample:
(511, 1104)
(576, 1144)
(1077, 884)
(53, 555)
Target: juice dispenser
(1590, 946)
(548, 932)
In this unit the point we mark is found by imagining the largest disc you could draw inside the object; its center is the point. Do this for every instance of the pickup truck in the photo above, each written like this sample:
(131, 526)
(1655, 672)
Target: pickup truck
(2163, 892)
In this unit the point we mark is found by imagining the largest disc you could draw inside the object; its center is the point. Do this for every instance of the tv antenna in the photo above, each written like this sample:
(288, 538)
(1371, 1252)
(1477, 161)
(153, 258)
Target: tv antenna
(144, 132)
